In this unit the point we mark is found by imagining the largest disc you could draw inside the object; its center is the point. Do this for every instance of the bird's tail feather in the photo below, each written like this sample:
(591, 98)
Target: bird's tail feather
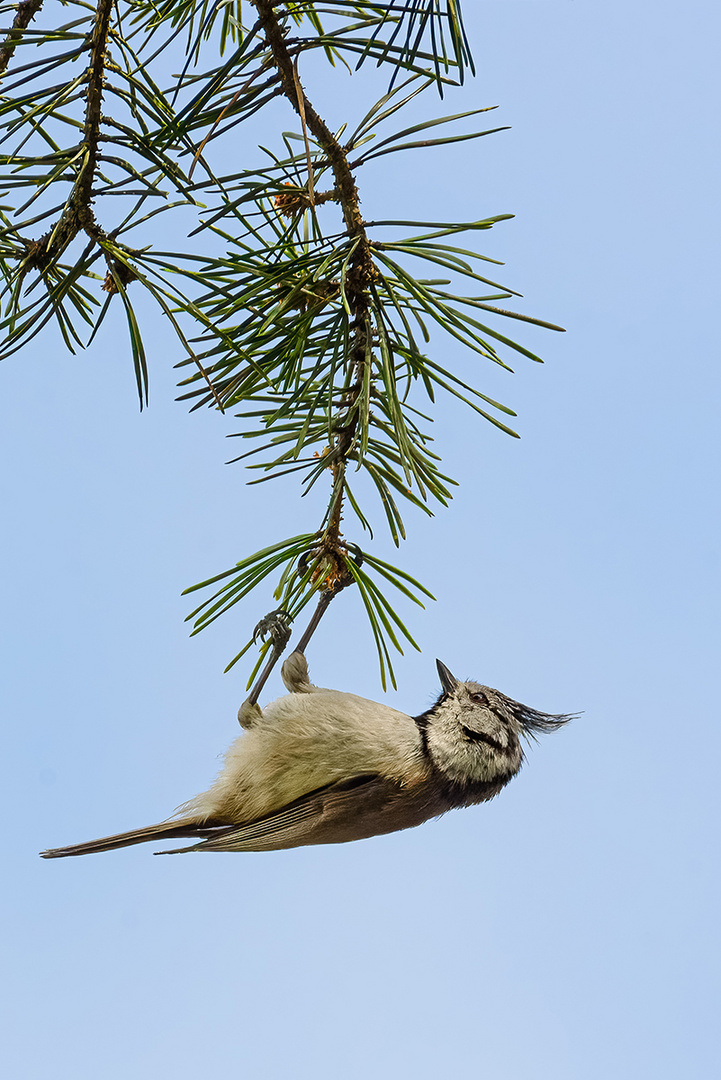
(164, 831)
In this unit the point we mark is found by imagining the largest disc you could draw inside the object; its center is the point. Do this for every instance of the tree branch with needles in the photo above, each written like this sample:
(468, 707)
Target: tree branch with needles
(310, 320)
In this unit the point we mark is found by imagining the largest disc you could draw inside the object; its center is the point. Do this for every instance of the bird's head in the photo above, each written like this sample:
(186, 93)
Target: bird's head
(474, 732)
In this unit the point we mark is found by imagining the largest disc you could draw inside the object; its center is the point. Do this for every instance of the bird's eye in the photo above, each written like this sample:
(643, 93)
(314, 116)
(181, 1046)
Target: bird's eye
(479, 699)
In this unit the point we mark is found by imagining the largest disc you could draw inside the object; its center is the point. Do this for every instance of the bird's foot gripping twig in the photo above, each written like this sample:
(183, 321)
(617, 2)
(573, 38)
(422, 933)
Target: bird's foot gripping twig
(275, 624)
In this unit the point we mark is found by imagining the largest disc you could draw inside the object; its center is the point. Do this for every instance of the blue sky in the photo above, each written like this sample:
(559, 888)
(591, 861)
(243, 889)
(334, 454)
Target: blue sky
(569, 928)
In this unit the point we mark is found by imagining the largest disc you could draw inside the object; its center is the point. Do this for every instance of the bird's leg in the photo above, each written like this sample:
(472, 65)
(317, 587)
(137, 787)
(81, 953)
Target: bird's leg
(275, 623)
(325, 599)
(295, 671)
(294, 674)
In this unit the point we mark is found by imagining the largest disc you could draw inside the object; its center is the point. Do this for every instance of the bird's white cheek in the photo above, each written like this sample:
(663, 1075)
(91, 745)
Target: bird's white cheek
(503, 739)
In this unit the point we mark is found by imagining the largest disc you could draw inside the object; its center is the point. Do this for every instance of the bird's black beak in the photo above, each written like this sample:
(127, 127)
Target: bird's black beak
(448, 681)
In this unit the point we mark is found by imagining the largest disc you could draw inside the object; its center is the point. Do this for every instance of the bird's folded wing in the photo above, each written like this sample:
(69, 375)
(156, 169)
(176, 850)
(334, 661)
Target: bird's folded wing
(347, 810)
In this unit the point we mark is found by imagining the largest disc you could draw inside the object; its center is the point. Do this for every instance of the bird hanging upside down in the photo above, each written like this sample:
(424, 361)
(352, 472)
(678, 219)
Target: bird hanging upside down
(323, 767)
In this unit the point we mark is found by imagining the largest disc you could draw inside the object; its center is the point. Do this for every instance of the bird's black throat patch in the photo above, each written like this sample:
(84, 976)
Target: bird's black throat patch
(481, 737)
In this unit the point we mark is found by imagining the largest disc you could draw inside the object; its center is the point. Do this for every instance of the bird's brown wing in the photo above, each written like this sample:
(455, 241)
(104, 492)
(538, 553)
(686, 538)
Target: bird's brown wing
(347, 810)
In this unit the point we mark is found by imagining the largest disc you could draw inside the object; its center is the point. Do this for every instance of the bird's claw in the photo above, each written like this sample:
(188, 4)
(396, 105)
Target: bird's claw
(356, 554)
(277, 625)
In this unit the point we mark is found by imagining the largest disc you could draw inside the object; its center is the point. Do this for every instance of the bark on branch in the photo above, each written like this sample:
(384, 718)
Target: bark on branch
(27, 10)
(361, 274)
(78, 214)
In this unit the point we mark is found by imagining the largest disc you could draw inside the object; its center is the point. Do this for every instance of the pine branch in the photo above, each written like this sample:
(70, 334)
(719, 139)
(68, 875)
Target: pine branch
(319, 336)
(27, 10)
(362, 273)
(78, 213)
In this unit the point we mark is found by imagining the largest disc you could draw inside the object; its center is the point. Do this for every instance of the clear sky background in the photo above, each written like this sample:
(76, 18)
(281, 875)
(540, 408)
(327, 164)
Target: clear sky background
(569, 929)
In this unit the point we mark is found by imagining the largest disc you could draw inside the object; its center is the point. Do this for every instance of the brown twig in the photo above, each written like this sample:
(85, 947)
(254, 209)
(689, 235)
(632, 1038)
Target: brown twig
(27, 10)
(361, 274)
(301, 112)
(78, 214)
(93, 116)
